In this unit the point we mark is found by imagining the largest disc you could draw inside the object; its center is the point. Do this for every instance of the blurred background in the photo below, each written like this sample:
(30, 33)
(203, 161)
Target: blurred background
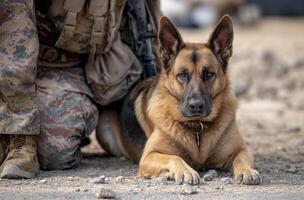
(201, 13)
(266, 71)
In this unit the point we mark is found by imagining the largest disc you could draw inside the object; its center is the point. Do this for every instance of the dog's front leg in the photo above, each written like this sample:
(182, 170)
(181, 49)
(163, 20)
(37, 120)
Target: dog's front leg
(242, 169)
(156, 163)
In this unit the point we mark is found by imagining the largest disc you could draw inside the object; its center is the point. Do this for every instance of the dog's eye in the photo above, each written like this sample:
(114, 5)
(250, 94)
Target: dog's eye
(207, 75)
(183, 76)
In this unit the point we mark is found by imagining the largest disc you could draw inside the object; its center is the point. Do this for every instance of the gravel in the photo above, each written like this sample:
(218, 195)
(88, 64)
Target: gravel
(210, 175)
(98, 180)
(119, 178)
(43, 181)
(70, 178)
(188, 189)
(160, 181)
(291, 169)
(103, 193)
(227, 180)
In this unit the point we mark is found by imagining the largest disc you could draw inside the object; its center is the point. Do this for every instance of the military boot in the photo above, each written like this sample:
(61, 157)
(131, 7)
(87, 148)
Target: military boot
(21, 160)
(3, 147)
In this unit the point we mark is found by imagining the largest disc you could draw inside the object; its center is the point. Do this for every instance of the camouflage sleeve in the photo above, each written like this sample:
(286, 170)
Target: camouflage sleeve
(18, 58)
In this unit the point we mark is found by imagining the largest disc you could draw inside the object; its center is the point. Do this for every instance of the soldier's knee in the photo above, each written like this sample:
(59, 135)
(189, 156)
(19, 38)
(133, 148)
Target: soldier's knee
(59, 158)
(67, 113)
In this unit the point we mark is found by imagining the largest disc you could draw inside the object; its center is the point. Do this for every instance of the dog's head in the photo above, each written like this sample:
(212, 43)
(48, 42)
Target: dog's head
(195, 73)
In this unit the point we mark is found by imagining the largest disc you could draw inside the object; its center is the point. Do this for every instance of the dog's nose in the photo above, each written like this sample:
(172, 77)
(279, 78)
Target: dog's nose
(195, 105)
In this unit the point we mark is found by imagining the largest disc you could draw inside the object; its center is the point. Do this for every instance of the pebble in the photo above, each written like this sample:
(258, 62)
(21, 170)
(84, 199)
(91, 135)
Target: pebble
(160, 181)
(43, 181)
(188, 189)
(210, 175)
(105, 194)
(294, 129)
(291, 169)
(70, 178)
(77, 190)
(227, 180)
(133, 191)
(122, 158)
(119, 178)
(98, 180)
(219, 187)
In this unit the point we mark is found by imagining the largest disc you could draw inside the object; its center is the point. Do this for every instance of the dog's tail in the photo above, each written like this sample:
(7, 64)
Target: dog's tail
(134, 137)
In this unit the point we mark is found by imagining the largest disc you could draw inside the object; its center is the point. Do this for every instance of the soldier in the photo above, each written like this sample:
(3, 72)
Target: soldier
(58, 61)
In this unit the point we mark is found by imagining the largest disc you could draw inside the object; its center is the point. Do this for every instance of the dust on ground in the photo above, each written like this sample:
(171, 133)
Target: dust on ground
(267, 71)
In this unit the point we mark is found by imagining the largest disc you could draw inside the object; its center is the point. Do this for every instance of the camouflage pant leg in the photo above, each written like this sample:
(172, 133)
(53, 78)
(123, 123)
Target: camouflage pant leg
(66, 117)
(18, 56)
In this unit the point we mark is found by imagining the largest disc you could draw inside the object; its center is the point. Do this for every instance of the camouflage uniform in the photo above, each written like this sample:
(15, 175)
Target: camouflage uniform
(18, 65)
(67, 115)
(55, 102)
(45, 92)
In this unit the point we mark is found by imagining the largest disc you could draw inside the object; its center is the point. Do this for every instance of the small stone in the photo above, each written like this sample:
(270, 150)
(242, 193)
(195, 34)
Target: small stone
(43, 181)
(77, 190)
(85, 190)
(122, 158)
(219, 187)
(295, 129)
(70, 178)
(98, 180)
(133, 191)
(226, 180)
(210, 175)
(291, 169)
(119, 178)
(188, 189)
(160, 181)
(105, 194)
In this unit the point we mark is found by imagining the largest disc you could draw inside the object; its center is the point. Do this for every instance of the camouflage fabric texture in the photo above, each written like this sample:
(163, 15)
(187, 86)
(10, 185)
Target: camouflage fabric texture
(18, 57)
(52, 103)
(67, 115)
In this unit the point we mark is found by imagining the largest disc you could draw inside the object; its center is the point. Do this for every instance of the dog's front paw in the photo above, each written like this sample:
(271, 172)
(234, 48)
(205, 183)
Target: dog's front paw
(184, 174)
(248, 177)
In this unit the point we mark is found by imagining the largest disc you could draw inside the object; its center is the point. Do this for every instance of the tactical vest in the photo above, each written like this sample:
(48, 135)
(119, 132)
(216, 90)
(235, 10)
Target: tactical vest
(86, 24)
(95, 28)
(90, 28)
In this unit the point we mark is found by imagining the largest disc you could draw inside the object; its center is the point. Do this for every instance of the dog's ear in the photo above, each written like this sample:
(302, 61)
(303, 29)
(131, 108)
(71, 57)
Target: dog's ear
(221, 40)
(170, 41)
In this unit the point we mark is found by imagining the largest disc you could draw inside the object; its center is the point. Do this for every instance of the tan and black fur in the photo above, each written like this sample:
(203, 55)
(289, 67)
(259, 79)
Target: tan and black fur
(192, 87)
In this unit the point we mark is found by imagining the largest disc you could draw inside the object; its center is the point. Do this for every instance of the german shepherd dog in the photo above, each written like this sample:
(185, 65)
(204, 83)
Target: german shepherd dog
(184, 119)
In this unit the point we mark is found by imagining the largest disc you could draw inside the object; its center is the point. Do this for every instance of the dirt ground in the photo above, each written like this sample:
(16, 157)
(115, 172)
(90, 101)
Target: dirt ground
(267, 71)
